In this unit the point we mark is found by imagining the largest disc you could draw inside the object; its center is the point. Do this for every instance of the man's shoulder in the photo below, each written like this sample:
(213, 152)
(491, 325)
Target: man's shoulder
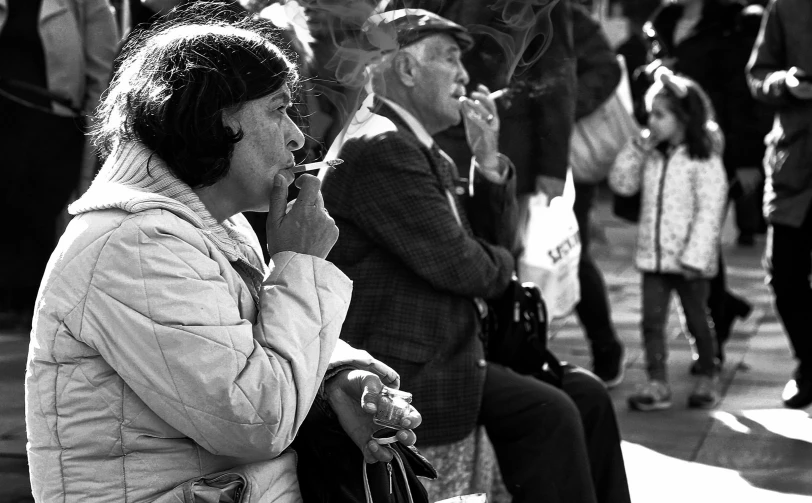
(383, 139)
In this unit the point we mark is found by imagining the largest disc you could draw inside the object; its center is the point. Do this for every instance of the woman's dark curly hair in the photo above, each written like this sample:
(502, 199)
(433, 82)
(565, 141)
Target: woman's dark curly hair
(176, 79)
(691, 106)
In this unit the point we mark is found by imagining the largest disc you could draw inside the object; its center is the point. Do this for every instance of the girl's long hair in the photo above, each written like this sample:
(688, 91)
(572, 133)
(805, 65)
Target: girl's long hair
(691, 106)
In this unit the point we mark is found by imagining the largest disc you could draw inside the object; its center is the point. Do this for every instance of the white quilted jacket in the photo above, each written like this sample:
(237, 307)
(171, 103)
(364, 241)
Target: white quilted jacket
(683, 203)
(163, 350)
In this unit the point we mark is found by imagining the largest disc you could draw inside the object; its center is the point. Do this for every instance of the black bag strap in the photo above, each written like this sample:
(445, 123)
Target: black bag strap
(401, 470)
(6, 82)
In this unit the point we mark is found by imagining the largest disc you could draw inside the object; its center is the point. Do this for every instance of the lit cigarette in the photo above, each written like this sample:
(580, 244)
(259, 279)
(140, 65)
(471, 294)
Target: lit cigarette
(494, 95)
(316, 165)
(499, 94)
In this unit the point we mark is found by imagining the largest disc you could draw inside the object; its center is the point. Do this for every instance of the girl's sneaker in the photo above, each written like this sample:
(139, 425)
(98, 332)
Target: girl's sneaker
(705, 394)
(654, 395)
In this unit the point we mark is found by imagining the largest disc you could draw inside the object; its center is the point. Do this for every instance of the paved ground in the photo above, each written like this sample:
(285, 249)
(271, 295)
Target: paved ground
(749, 449)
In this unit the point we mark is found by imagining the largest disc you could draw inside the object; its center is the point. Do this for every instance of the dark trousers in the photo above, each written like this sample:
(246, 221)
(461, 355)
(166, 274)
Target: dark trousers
(788, 263)
(724, 307)
(656, 296)
(749, 215)
(593, 309)
(553, 445)
(41, 161)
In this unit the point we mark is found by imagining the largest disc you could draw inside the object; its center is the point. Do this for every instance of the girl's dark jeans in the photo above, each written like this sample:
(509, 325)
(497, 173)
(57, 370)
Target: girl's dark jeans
(693, 294)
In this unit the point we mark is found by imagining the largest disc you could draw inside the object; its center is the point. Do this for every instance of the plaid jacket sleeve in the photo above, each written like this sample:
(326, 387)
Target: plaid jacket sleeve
(401, 205)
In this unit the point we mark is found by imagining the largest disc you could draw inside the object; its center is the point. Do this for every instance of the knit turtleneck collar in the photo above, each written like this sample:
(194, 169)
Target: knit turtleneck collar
(135, 179)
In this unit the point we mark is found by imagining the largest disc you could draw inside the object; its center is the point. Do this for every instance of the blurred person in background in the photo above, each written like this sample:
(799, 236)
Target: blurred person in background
(780, 73)
(55, 60)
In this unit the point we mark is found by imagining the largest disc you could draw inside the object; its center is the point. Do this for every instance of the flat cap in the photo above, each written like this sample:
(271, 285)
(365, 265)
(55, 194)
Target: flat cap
(407, 26)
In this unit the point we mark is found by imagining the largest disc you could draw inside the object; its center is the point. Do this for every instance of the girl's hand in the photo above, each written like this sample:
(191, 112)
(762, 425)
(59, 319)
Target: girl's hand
(645, 140)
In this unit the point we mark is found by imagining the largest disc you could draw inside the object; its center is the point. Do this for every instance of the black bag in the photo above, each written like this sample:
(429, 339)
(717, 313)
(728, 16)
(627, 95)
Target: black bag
(331, 468)
(515, 331)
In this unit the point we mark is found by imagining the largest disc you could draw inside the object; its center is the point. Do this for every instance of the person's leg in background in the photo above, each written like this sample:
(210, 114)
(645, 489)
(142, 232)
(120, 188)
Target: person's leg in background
(538, 436)
(749, 217)
(593, 310)
(602, 434)
(42, 161)
(724, 307)
(49, 153)
(788, 263)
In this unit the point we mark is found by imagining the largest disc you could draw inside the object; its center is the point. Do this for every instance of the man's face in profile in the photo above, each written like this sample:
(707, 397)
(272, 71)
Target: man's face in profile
(440, 82)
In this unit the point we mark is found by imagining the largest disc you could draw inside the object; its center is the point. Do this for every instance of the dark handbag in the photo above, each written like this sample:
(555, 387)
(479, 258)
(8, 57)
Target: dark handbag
(515, 331)
(331, 468)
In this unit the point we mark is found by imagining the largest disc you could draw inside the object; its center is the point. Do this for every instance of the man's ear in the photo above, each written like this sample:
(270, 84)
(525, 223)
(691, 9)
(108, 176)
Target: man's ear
(406, 68)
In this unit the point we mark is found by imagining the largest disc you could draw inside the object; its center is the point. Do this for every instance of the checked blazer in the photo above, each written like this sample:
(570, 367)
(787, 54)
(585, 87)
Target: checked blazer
(416, 269)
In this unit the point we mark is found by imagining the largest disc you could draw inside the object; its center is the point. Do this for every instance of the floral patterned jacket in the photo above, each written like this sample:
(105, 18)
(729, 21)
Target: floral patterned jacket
(683, 203)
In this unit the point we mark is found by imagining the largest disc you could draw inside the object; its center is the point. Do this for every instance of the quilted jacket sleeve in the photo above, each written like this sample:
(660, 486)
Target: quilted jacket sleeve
(400, 204)
(626, 174)
(709, 183)
(166, 321)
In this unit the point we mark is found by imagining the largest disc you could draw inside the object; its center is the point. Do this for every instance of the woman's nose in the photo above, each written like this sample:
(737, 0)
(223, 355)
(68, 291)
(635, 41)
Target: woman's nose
(295, 136)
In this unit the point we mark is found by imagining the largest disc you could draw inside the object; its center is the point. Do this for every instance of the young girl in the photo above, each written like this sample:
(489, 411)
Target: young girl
(677, 168)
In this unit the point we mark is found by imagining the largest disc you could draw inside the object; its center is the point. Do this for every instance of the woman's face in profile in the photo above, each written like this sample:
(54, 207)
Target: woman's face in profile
(269, 139)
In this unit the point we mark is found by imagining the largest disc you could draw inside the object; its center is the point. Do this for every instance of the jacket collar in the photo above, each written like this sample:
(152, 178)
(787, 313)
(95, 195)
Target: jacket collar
(409, 120)
(135, 179)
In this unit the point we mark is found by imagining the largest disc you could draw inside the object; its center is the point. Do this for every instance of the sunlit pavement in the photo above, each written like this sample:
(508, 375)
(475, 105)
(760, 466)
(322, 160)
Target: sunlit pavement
(749, 448)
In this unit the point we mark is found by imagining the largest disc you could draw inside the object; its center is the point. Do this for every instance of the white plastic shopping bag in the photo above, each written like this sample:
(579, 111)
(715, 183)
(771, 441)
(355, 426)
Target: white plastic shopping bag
(552, 251)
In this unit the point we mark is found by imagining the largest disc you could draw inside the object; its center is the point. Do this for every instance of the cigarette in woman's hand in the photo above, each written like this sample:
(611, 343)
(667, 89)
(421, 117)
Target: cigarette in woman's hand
(316, 165)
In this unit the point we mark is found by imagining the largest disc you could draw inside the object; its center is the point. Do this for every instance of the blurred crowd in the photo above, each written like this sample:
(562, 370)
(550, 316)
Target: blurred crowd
(424, 222)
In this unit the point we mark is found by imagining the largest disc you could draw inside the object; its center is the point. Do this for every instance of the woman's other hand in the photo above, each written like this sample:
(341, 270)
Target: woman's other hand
(354, 396)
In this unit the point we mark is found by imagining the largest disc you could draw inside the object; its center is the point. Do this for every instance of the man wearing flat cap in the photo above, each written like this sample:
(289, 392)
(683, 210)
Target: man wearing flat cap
(424, 247)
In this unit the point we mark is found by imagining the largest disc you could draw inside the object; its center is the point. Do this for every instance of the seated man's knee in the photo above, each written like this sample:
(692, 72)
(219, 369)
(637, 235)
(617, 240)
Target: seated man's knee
(554, 409)
(592, 399)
